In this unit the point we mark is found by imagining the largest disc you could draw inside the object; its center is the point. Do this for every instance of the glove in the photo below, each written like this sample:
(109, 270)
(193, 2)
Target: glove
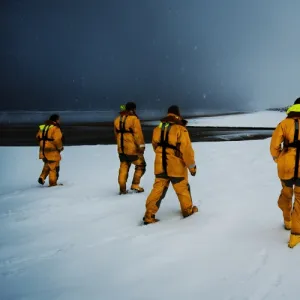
(193, 171)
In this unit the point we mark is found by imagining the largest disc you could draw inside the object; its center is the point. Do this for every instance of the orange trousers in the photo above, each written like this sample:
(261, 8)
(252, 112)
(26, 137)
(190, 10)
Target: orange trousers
(125, 164)
(160, 188)
(50, 168)
(285, 202)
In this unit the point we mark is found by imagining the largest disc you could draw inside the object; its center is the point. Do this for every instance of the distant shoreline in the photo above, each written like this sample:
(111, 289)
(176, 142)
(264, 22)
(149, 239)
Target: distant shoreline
(91, 118)
(102, 134)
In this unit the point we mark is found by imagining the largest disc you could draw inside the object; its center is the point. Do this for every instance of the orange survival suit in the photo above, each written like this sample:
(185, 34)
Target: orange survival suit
(174, 156)
(131, 147)
(50, 139)
(285, 150)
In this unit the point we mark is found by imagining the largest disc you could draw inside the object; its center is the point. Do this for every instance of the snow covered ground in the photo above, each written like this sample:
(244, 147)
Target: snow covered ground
(83, 241)
(257, 119)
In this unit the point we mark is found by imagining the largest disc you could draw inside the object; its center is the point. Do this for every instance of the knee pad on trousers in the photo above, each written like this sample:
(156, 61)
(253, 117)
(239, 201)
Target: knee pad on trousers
(141, 167)
(287, 192)
(163, 195)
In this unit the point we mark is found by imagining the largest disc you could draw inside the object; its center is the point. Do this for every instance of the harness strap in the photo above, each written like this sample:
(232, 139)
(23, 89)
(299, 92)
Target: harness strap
(122, 130)
(45, 138)
(297, 148)
(296, 144)
(164, 143)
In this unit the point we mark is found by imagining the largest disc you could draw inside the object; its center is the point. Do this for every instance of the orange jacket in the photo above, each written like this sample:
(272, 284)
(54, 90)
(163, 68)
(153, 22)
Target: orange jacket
(285, 157)
(50, 137)
(132, 135)
(179, 159)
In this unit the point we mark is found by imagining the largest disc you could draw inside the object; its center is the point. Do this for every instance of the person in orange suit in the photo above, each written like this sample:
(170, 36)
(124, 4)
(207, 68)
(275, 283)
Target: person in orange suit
(174, 156)
(285, 150)
(131, 147)
(50, 139)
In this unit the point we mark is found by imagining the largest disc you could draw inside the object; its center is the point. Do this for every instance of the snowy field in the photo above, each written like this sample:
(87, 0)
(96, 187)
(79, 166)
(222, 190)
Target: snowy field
(83, 241)
(257, 119)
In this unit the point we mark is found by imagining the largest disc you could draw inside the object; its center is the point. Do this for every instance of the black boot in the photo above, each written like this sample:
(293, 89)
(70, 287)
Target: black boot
(41, 181)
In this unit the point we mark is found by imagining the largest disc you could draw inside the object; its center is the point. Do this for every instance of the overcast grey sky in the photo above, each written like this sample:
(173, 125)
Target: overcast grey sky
(93, 54)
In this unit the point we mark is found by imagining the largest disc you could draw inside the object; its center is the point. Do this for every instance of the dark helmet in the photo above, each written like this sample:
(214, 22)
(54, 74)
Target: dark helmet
(54, 117)
(297, 101)
(130, 106)
(174, 109)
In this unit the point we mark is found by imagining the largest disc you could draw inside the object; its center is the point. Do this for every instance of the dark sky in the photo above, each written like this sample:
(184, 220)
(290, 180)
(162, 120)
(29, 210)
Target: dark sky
(93, 54)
